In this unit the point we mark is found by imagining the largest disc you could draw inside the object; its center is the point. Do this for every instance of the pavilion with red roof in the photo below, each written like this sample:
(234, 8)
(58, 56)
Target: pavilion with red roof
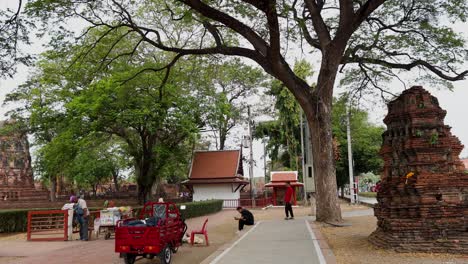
(278, 183)
(216, 175)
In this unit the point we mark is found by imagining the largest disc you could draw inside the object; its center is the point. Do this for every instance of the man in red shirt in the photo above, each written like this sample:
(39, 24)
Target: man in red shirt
(287, 201)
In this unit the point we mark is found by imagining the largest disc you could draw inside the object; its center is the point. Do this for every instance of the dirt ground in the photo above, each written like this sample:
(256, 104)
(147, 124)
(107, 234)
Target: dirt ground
(14, 248)
(350, 246)
(13, 236)
(221, 229)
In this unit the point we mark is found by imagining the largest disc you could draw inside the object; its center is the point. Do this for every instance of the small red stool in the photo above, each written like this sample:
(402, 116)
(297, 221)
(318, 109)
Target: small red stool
(200, 232)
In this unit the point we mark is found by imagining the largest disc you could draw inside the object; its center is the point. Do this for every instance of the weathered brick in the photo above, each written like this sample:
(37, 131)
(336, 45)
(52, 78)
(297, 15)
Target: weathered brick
(429, 211)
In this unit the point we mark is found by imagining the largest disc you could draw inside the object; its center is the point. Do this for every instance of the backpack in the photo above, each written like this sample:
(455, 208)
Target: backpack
(78, 210)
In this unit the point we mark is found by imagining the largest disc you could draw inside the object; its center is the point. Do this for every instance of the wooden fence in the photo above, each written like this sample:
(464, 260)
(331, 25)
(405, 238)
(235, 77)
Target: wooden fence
(51, 225)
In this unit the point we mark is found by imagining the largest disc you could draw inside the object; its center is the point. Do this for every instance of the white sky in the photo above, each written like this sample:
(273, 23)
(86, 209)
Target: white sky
(454, 102)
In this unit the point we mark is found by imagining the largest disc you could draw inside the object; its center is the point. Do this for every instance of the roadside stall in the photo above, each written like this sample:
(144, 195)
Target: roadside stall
(109, 218)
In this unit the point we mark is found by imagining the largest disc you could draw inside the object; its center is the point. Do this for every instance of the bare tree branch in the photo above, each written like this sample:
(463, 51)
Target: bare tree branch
(319, 25)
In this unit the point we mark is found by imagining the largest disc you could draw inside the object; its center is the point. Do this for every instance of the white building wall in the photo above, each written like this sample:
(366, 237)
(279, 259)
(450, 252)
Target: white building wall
(203, 192)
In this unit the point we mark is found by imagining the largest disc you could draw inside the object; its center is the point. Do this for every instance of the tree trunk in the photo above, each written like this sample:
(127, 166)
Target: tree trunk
(319, 117)
(52, 187)
(222, 140)
(158, 192)
(115, 177)
(145, 177)
(142, 194)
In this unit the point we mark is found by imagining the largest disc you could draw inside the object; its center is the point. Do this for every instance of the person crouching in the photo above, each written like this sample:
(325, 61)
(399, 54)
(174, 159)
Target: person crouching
(246, 218)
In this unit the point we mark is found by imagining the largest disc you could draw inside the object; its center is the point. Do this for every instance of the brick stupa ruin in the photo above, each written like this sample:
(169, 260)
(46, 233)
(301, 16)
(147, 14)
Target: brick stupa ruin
(423, 202)
(16, 175)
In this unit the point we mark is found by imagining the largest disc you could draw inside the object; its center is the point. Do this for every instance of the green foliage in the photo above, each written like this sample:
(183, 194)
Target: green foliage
(366, 142)
(369, 177)
(195, 209)
(284, 132)
(13, 221)
(228, 85)
(434, 138)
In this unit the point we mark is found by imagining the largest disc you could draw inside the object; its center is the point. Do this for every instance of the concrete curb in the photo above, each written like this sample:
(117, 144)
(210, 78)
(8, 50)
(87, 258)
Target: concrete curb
(324, 247)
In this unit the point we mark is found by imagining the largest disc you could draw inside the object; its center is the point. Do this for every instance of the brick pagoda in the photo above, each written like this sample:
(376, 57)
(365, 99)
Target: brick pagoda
(423, 202)
(16, 176)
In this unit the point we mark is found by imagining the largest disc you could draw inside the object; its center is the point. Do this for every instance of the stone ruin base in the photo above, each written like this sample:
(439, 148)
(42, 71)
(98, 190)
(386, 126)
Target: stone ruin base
(415, 243)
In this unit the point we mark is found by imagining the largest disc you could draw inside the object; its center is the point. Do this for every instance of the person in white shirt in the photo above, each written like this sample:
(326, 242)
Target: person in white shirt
(83, 218)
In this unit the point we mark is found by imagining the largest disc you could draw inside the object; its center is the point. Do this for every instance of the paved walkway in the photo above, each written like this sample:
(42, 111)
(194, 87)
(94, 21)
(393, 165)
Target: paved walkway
(276, 241)
(365, 200)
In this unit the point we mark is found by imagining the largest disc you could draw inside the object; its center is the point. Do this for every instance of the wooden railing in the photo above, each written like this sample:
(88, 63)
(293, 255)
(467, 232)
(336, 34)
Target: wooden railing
(51, 225)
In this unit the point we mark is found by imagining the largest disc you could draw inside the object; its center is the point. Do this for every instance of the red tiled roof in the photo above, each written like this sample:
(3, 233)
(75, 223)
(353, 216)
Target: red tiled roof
(238, 180)
(282, 184)
(465, 162)
(215, 164)
(284, 176)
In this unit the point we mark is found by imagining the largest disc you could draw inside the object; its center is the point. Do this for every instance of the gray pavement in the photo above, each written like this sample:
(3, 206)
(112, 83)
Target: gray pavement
(365, 200)
(272, 242)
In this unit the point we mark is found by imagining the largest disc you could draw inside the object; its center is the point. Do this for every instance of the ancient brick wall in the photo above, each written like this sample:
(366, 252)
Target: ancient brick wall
(423, 202)
(16, 175)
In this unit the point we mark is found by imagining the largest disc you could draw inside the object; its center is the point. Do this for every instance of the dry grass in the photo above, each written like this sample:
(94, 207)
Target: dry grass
(13, 236)
(350, 246)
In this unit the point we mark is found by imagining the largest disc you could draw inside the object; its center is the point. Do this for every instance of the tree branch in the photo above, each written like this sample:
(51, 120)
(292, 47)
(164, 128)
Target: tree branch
(364, 11)
(411, 65)
(319, 25)
(232, 23)
(273, 28)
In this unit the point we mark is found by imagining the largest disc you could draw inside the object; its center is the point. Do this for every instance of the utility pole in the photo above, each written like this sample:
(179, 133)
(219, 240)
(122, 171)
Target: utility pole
(353, 197)
(302, 159)
(251, 158)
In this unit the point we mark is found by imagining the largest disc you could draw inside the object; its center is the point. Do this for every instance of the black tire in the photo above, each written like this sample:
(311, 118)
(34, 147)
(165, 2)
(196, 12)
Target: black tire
(129, 258)
(165, 257)
(108, 235)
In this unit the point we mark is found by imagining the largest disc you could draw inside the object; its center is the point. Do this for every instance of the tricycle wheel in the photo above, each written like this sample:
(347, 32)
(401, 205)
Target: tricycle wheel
(108, 235)
(166, 255)
(129, 258)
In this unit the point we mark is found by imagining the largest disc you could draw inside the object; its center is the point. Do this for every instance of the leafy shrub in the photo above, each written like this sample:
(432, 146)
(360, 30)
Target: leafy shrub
(194, 209)
(201, 208)
(13, 221)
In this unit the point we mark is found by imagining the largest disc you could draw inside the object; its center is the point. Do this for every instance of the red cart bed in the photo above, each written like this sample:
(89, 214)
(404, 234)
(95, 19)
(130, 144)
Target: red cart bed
(160, 236)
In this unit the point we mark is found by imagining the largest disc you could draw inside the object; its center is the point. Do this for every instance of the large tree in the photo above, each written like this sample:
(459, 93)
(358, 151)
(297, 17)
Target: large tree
(373, 37)
(232, 83)
(14, 29)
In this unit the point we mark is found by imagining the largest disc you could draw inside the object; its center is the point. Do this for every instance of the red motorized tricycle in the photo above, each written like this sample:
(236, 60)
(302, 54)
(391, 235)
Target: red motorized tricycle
(158, 232)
